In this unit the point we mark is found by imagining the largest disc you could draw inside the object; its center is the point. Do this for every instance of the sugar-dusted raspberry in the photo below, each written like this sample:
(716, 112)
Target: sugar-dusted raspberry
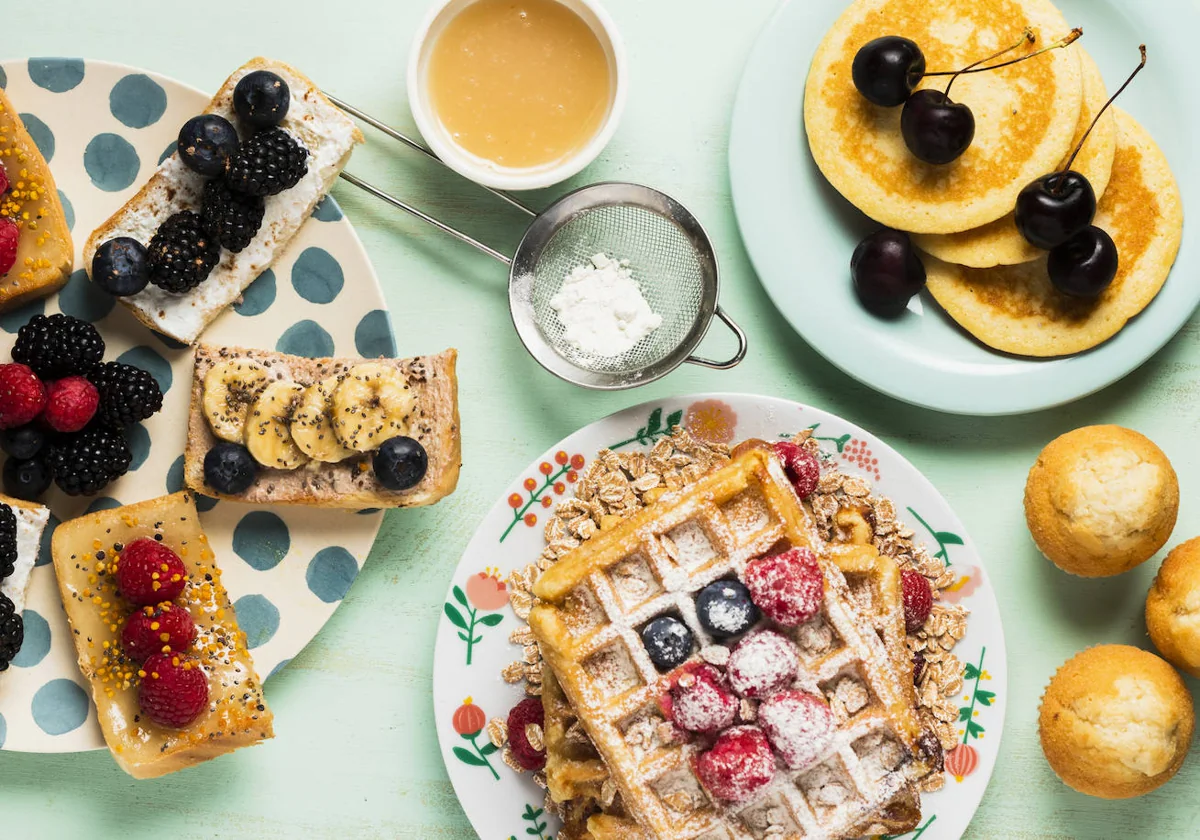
(70, 404)
(10, 238)
(763, 663)
(799, 726)
(802, 467)
(738, 766)
(149, 573)
(22, 395)
(918, 599)
(525, 714)
(702, 702)
(787, 587)
(166, 628)
(174, 690)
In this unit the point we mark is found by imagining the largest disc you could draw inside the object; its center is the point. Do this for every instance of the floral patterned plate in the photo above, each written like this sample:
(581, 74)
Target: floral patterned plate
(473, 636)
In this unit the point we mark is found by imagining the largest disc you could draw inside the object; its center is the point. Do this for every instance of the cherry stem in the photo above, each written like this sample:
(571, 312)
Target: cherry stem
(1062, 176)
(1026, 37)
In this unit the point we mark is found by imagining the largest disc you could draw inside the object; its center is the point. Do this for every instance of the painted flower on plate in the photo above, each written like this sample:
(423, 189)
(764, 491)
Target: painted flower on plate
(713, 421)
(486, 591)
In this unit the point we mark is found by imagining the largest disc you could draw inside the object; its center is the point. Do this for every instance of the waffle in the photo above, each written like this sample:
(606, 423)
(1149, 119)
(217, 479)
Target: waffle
(595, 599)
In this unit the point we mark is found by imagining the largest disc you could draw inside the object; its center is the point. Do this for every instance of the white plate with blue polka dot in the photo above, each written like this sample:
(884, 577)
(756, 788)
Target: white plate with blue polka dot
(104, 129)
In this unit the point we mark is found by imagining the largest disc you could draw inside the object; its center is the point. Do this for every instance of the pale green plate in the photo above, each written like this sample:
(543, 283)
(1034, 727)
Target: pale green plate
(800, 232)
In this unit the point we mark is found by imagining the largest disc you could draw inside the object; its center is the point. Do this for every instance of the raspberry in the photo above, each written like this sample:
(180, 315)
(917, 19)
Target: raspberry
(801, 466)
(763, 663)
(526, 713)
(787, 587)
(163, 629)
(701, 702)
(174, 690)
(10, 238)
(918, 599)
(799, 726)
(149, 573)
(918, 667)
(70, 404)
(738, 766)
(22, 395)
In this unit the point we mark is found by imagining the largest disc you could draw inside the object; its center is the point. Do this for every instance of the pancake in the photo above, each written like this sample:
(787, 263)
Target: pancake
(1000, 243)
(1015, 309)
(1025, 114)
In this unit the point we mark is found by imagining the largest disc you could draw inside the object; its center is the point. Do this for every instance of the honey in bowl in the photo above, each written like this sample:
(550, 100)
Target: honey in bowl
(522, 84)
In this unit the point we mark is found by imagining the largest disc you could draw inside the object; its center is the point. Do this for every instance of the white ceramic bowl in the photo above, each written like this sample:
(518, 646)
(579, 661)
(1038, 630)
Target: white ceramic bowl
(484, 171)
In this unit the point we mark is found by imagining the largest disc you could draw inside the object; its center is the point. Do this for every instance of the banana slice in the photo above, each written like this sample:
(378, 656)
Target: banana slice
(312, 425)
(268, 432)
(230, 389)
(372, 404)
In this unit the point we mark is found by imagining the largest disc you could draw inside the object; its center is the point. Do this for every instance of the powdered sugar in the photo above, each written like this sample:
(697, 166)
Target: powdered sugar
(799, 726)
(700, 703)
(763, 663)
(602, 309)
(739, 764)
(787, 587)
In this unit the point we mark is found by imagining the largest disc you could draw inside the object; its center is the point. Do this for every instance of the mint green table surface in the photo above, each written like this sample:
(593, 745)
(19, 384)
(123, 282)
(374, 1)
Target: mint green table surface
(355, 755)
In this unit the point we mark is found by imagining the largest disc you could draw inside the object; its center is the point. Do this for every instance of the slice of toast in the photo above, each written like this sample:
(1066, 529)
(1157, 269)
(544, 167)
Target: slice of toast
(330, 137)
(237, 716)
(31, 521)
(351, 483)
(45, 253)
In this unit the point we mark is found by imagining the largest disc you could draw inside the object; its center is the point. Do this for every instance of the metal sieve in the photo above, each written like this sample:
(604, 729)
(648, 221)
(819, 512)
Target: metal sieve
(670, 255)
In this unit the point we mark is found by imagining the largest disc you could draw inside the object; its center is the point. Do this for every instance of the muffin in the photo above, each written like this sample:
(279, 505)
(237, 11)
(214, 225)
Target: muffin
(1116, 722)
(1101, 500)
(1173, 608)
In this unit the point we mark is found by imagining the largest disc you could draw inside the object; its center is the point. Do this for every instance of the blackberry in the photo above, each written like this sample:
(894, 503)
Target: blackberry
(12, 632)
(128, 394)
(268, 163)
(232, 217)
(182, 253)
(58, 345)
(8, 541)
(85, 463)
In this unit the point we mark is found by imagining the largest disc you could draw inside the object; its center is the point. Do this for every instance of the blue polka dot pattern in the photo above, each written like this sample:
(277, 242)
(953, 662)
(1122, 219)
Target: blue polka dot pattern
(327, 210)
(258, 618)
(139, 444)
(148, 359)
(111, 162)
(68, 210)
(316, 276)
(137, 101)
(59, 707)
(304, 338)
(83, 299)
(12, 321)
(167, 152)
(258, 296)
(102, 503)
(42, 136)
(373, 336)
(57, 75)
(175, 483)
(261, 539)
(330, 573)
(44, 557)
(283, 664)
(37, 641)
(3, 84)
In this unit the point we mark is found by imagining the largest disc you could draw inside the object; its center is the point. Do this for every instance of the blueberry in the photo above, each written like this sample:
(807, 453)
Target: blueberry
(121, 266)
(261, 99)
(23, 442)
(668, 641)
(206, 143)
(725, 609)
(400, 463)
(27, 479)
(230, 468)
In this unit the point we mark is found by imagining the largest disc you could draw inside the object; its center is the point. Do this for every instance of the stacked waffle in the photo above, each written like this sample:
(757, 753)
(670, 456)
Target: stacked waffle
(801, 721)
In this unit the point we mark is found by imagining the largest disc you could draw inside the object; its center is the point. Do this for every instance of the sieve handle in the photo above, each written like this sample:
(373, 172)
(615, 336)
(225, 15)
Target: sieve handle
(738, 333)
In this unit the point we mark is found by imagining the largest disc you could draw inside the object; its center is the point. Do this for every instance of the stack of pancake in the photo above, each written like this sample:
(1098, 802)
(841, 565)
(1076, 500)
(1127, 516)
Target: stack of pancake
(1029, 117)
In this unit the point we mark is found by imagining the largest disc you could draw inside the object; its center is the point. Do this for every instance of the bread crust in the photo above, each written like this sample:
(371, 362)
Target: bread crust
(1171, 607)
(348, 484)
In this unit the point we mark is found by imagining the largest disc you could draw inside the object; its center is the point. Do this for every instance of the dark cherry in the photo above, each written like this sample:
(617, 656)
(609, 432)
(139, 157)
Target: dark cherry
(1085, 265)
(1054, 208)
(887, 70)
(936, 129)
(887, 272)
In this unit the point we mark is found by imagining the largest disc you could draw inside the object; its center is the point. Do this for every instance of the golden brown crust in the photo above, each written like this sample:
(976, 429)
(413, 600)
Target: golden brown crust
(1116, 722)
(344, 484)
(1101, 500)
(1173, 608)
